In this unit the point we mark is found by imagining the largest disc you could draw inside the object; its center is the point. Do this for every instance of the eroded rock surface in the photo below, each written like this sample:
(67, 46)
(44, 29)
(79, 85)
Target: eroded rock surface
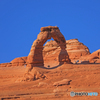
(4, 65)
(74, 48)
(92, 58)
(35, 57)
(20, 61)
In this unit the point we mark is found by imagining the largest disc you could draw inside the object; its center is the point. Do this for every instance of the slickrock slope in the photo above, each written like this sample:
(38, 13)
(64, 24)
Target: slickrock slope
(85, 78)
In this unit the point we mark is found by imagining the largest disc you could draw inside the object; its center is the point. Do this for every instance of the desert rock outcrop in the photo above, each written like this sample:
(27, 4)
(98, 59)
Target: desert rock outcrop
(74, 48)
(35, 57)
(20, 61)
(92, 58)
(4, 65)
(58, 51)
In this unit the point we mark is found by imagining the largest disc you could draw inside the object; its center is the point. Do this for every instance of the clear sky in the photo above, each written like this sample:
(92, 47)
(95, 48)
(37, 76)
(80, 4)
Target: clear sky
(21, 20)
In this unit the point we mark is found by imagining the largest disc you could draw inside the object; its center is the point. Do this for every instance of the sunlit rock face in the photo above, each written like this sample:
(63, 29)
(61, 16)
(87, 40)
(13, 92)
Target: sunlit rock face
(74, 48)
(35, 56)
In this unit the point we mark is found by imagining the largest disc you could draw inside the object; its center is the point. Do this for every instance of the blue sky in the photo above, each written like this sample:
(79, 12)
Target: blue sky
(21, 20)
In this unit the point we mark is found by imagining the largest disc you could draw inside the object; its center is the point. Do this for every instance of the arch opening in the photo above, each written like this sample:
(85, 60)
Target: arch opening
(48, 41)
(51, 52)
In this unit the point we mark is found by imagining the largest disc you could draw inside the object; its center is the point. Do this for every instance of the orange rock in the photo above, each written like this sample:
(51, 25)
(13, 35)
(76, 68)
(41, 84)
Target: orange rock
(97, 61)
(95, 55)
(62, 82)
(92, 58)
(20, 61)
(35, 56)
(4, 64)
(24, 58)
(48, 28)
(9, 65)
(51, 51)
(74, 48)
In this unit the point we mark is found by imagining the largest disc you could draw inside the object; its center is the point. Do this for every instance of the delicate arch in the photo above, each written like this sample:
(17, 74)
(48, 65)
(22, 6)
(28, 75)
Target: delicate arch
(35, 57)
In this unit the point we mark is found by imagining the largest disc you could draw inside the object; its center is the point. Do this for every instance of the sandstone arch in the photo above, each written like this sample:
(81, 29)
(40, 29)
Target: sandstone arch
(35, 57)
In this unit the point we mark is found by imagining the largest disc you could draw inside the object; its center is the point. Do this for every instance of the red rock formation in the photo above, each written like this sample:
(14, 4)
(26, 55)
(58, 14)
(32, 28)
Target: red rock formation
(4, 64)
(20, 61)
(55, 52)
(74, 48)
(35, 57)
(9, 65)
(92, 58)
